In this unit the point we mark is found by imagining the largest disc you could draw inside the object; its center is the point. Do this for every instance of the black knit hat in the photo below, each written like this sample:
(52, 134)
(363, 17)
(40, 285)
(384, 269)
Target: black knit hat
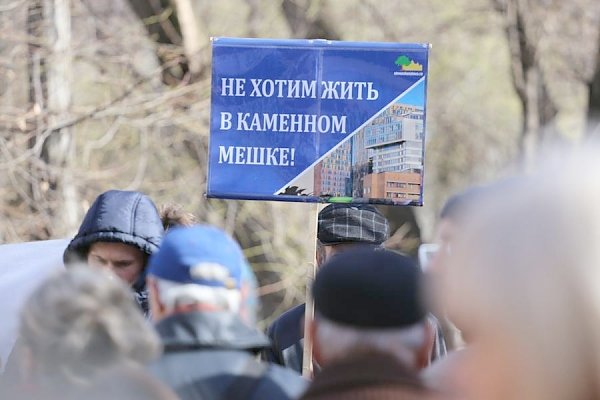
(369, 288)
(343, 223)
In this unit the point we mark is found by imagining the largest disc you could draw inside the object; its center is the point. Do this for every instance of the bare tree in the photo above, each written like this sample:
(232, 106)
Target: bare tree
(136, 110)
(175, 25)
(195, 39)
(306, 19)
(59, 149)
(538, 109)
(162, 24)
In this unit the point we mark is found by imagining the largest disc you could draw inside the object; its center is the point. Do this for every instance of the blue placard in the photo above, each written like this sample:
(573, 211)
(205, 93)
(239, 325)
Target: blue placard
(317, 121)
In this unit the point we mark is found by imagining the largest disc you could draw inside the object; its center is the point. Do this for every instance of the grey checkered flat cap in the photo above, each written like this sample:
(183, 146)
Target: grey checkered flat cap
(343, 223)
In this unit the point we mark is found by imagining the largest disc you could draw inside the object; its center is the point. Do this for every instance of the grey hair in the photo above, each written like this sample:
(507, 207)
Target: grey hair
(338, 340)
(81, 321)
(173, 294)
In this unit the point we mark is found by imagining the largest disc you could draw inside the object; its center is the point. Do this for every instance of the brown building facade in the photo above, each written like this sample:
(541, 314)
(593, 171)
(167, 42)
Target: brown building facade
(399, 186)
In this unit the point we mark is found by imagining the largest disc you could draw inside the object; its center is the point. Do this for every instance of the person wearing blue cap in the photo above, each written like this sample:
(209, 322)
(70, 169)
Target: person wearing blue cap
(203, 300)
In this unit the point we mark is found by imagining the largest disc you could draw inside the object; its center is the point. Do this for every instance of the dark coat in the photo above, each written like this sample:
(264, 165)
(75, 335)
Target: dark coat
(286, 334)
(366, 377)
(207, 355)
(122, 217)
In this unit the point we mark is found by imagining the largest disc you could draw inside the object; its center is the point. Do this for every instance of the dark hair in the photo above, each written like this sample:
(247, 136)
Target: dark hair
(173, 215)
(452, 207)
(456, 206)
(459, 203)
(81, 321)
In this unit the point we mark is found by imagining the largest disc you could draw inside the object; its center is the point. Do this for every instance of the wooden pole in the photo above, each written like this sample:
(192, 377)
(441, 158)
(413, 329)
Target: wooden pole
(307, 365)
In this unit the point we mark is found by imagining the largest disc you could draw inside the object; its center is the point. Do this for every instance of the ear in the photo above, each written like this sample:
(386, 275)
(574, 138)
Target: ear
(317, 353)
(424, 352)
(157, 309)
(320, 255)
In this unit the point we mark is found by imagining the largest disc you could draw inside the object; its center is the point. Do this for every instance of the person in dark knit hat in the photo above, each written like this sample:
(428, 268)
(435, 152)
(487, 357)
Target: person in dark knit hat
(341, 227)
(370, 330)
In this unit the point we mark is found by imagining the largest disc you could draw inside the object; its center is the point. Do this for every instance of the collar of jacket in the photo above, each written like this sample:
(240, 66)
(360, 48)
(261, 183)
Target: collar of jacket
(363, 370)
(209, 330)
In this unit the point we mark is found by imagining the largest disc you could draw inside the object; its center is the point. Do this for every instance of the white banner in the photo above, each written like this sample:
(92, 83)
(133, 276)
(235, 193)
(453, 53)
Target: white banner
(23, 266)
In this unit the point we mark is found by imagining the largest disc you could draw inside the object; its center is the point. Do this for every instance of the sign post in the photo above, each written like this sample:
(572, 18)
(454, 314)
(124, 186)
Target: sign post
(317, 121)
(307, 361)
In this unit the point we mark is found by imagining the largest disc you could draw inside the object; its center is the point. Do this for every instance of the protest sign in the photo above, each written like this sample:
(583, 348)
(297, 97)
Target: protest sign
(23, 267)
(317, 121)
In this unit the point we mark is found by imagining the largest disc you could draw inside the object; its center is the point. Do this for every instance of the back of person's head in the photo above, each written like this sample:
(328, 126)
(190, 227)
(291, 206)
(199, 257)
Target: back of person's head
(526, 286)
(370, 301)
(78, 323)
(201, 268)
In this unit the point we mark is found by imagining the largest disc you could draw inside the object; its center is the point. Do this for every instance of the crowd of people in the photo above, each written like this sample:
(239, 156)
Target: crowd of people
(165, 308)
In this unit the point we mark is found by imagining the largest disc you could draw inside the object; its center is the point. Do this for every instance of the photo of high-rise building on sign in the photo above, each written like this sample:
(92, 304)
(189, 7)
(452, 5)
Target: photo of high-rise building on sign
(383, 160)
(333, 174)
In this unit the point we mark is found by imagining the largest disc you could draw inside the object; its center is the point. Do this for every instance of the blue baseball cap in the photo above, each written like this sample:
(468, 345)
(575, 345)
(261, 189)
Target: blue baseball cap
(202, 255)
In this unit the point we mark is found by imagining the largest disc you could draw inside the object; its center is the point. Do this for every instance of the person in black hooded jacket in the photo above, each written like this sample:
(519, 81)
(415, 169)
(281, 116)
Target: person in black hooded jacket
(119, 232)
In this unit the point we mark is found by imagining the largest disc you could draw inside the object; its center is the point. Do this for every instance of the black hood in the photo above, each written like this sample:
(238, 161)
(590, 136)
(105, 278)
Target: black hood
(118, 216)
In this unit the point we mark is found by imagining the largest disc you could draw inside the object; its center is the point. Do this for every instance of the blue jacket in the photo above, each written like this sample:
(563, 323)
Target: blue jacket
(123, 217)
(212, 356)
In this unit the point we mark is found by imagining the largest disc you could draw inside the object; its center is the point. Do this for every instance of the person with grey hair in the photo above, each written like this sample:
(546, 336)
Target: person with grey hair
(525, 286)
(370, 330)
(202, 296)
(119, 232)
(74, 326)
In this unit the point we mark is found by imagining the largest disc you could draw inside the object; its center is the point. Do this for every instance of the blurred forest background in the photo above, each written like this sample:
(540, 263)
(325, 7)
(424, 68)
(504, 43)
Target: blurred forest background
(101, 94)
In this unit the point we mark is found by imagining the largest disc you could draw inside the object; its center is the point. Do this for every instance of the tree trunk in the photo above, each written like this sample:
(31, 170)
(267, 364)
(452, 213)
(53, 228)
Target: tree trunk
(194, 39)
(531, 117)
(538, 109)
(161, 23)
(254, 19)
(59, 149)
(52, 189)
(306, 20)
(593, 114)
